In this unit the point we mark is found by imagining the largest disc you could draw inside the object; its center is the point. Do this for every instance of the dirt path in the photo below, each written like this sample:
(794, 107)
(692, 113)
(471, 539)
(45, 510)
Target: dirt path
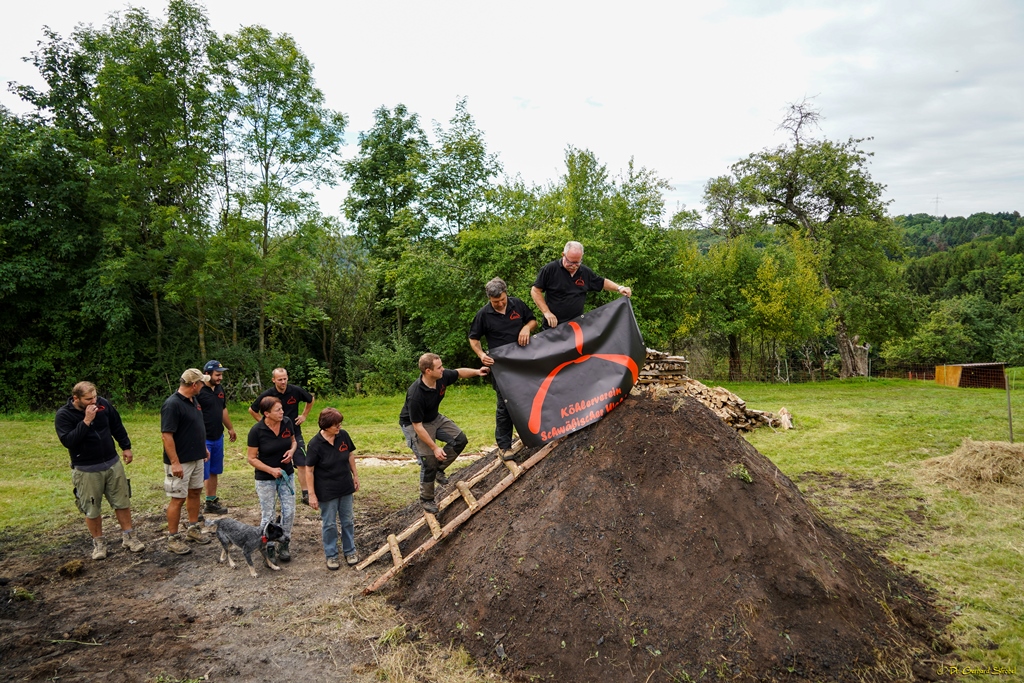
(140, 617)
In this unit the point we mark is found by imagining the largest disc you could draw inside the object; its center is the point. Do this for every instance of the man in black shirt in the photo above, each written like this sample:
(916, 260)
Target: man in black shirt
(560, 290)
(184, 437)
(423, 425)
(87, 426)
(504, 320)
(215, 417)
(290, 395)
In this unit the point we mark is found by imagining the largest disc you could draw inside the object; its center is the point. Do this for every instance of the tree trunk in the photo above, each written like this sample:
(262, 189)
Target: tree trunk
(159, 325)
(202, 327)
(263, 323)
(853, 359)
(234, 326)
(735, 359)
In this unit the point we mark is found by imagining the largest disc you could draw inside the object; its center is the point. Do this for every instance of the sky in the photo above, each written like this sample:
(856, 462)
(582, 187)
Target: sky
(684, 88)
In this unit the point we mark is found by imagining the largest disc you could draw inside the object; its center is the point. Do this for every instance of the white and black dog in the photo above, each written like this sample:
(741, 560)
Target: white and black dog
(248, 538)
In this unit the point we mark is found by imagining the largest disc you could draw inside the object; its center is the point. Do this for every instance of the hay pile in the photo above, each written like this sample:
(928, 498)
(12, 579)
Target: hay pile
(979, 464)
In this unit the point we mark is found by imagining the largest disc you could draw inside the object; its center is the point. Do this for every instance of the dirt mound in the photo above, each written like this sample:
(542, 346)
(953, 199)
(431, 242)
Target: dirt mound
(657, 545)
(979, 463)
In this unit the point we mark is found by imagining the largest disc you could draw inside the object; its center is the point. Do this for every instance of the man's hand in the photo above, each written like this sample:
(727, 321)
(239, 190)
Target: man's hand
(90, 413)
(439, 453)
(486, 360)
(625, 291)
(232, 436)
(551, 319)
(207, 458)
(177, 470)
(313, 502)
(524, 337)
(127, 455)
(299, 420)
(484, 371)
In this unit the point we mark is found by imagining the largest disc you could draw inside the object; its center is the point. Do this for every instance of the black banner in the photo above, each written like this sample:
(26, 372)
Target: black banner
(571, 376)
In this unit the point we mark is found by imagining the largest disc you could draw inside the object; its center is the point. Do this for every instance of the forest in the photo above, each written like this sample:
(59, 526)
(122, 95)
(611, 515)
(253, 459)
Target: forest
(157, 209)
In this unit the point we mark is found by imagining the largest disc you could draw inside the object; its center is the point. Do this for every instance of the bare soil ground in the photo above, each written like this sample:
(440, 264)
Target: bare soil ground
(657, 545)
(151, 615)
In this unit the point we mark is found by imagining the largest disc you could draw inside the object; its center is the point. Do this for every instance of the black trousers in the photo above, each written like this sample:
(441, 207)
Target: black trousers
(502, 423)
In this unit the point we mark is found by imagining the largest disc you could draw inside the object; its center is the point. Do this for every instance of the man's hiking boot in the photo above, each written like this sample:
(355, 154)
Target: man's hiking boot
(427, 497)
(195, 534)
(506, 454)
(131, 542)
(441, 478)
(282, 551)
(176, 544)
(213, 507)
(351, 559)
(99, 548)
(332, 563)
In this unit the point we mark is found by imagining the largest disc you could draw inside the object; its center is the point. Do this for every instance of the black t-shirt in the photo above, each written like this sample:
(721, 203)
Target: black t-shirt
(91, 444)
(501, 328)
(271, 447)
(289, 401)
(332, 469)
(422, 402)
(183, 417)
(213, 403)
(567, 294)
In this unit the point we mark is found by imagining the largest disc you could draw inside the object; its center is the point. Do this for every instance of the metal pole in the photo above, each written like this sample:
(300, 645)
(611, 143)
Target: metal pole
(1009, 408)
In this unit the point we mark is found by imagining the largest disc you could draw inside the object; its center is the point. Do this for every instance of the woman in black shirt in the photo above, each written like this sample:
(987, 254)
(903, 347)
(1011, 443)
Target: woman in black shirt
(271, 447)
(332, 481)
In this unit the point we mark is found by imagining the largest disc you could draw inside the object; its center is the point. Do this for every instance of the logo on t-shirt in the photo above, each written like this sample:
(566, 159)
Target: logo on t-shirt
(100, 406)
(220, 395)
(343, 447)
(292, 400)
(440, 392)
(580, 282)
(515, 316)
(199, 406)
(286, 434)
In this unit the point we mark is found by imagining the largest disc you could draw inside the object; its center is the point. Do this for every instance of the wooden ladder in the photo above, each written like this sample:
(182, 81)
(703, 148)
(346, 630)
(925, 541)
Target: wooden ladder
(437, 532)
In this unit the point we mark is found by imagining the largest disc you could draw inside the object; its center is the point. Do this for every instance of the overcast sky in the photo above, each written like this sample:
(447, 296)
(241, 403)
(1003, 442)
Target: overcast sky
(685, 88)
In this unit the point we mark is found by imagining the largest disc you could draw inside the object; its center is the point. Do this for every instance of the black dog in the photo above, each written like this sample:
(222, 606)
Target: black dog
(248, 538)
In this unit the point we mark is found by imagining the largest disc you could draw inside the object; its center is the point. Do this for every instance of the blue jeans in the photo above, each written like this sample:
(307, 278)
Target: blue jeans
(331, 513)
(269, 493)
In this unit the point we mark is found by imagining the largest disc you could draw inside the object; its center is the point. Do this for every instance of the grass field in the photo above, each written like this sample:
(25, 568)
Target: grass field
(856, 453)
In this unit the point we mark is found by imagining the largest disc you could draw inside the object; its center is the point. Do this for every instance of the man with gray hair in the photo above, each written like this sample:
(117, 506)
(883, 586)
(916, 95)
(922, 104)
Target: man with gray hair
(504, 320)
(87, 425)
(184, 436)
(560, 290)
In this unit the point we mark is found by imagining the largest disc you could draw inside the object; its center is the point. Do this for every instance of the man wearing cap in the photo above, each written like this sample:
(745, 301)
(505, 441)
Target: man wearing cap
(215, 417)
(87, 426)
(504, 320)
(184, 436)
(560, 290)
(290, 396)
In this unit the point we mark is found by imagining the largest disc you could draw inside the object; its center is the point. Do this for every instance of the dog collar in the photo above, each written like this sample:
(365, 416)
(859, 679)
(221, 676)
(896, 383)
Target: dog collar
(263, 539)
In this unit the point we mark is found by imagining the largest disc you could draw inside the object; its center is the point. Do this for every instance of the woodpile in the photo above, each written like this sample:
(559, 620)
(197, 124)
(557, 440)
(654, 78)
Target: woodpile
(665, 376)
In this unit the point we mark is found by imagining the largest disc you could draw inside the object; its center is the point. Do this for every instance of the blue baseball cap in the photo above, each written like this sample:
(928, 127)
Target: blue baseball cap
(213, 366)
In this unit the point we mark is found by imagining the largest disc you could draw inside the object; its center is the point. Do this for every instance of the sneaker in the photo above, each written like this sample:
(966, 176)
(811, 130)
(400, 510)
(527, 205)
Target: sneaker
(305, 497)
(428, 506)
(99, 549)
(131, 542)
(195, 534)
(506, 454)
(176, 544)
(351, 559)
(282, 551)
(441, 478)
(214, 507)
(332, 563)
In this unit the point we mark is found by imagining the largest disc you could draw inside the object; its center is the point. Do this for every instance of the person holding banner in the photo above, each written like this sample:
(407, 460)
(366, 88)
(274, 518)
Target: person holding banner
(504, 320)
(423, 425)
(560, 290)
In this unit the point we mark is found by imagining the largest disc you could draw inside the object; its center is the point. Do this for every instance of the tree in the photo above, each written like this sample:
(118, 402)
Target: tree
(822, 190)
(288, 138)
(460, 172)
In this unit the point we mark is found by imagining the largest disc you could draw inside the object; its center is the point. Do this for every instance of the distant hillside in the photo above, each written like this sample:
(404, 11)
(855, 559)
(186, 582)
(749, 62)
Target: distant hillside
(927, 234)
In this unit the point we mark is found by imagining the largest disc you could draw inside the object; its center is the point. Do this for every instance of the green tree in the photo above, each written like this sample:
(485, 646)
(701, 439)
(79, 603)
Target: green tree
(291, 142)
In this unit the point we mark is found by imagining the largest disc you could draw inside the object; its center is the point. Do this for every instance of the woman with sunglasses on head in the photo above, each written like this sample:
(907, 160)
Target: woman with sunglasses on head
(332, 482)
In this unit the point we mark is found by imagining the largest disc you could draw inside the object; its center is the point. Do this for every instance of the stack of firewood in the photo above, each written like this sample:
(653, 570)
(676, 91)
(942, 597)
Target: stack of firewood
(665, 375)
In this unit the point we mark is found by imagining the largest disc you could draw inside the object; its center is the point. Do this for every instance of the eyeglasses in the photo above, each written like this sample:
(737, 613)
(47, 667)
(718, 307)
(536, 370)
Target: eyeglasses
(572, 263)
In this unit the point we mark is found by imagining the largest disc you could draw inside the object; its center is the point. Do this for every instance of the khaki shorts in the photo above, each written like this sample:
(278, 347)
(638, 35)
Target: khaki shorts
(191, 478)
(91, 487)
